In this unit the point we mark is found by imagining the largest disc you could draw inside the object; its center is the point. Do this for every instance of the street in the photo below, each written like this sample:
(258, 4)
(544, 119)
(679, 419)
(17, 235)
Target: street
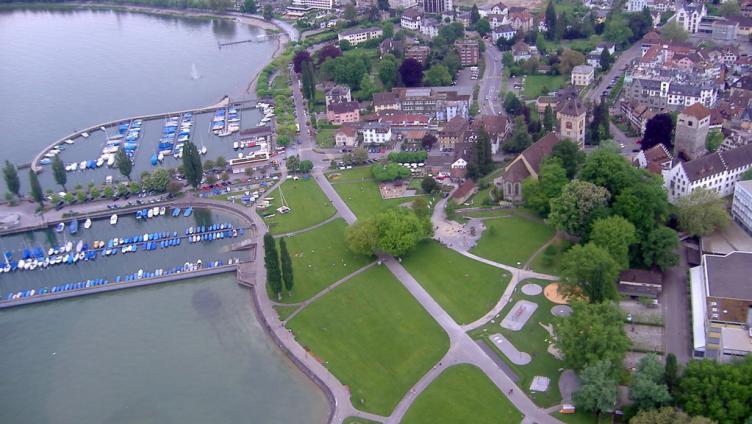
(490, 85)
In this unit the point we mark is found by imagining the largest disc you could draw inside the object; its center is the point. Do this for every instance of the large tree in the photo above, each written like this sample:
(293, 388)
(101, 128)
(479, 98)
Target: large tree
(599, 388)
(520, 138)
(59, 172)
(648, 388)
(411, 72)
(701, 212)
(570, 156)
(616, 29)
(590, 271)
(538, 193)
(667, 415)
(609, 170)
(659, 247)
(268, 12)
(643, 204)
(483, 27)
(362, 237)
(568, 59)
(400, 230)
(249, 6)
(483, 152)
(474, 14)
(437, 76)
(36, 189)
(383, 4)
(594, 332)
(722, 392)
(659, 129)
(308, 81)
(674, 32)
(579, 204)
(729, 8)
(388, 71)
(714, 140)
(605, 60)
(194, 171)
(10, 174)
(328, 52)
(550, 19)
(671, 372)
(286, 265)
(271, 262)
(615, 234)
(549, 119)
(123, 163)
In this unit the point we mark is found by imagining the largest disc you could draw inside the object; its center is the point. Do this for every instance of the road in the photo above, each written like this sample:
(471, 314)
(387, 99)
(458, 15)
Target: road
(675, 304)
(616, 70)
(490, 85)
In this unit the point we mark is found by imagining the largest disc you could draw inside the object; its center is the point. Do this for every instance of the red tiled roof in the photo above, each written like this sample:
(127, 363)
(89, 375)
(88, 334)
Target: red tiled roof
(697, 110)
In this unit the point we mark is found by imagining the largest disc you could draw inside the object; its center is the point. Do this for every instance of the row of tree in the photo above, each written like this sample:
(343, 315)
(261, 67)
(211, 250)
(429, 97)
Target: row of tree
(279, 273)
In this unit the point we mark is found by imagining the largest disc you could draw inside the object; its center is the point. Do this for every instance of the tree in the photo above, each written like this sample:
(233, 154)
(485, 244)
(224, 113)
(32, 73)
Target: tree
(292, 163)
(59, 172)
(437, 76)
(389, 172)
(286, 264)
(268, 12)
(192, 168)
(10, 174)
(345, 45)
(569, 155)
(671, 372)
(599, 388)
(349, 13)
(520, 138)
(549, 120)
(578, 206)
(659, 247)
(594, 332)
(388, 71)
(308, 81)
(359, 155)
(568, 59)
(714, 140)
(249, 6)
(221, 162)
(428, 141)
(362, 237)
(674, 32)
(474, 14)
(550, 18)
(513, 105)
(590, 271)
(722, 392)
(599, 127)
(383, 4)
(123, 163)
(452, 62)
(606, 60)
(616, 29)
(729, 8)
(643, 204)
(428, 185)
(271, 262)
(298, 59)
(614, 234)
(388, 29)
(609, 170)
(648, 389)
(483, 152)
(483, 27)
(658, 129)
(701, 212)
(159, 180)
(400, 230)
(36, 189)
(330, 51)
(667, 415)
(305, 166)
(538, 193)
(411, 72)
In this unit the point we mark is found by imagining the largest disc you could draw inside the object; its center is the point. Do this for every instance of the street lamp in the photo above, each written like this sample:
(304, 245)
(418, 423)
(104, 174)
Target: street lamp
(518, 271)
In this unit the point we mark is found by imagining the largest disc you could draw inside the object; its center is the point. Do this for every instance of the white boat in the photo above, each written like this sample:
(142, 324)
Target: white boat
(79, 246)
(113, 219)
(82, 165)
(111, 160)
(155, 211)
(235, 145)
(84, 134)
(100, 162)
(69, 246)
(87, 223)
(160, 157)
(224, 133)
(150, 214)
(69, 141)
(162, 210)
(146, 236)
(204, 150)
(140, 273)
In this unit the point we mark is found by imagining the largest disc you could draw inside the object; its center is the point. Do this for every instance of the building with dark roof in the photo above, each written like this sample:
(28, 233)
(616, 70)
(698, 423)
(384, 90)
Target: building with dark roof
(526, 165)
(640, 282)
(570, 117)
(497, 126)
(655, 159)
(337, 94)
(340, 113)
(692, 126)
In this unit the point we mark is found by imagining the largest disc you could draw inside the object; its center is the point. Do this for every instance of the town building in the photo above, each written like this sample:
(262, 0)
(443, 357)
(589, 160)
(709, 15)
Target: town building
(403, 4)
(411, 19)
(376, 133)
(721, 299)
(340, 113)
(495, 9)
(437, 6)
(314, 4)
(392, 46)
(521, 51)
(692, 127)
(360, 35)
(429, 27)
(688, 16)
(640, 283)
(582, 75)
(385, 101)
(719, 28)
(419, 53)
(454, 131)
(635, 5)
(435, 102)
(503, 31)
(655, 159)
(346, 136)
(741, 207)
(570, 117)
(337, 94)
(717, 172)
(525, 165)
(637, 114)
(498, 128)
(521, 20)
(468, 51)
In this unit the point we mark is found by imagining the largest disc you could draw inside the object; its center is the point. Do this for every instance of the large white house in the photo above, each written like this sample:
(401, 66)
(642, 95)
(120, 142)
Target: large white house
(689, 16)
(717, 172)
(376, 133)
(360, 35)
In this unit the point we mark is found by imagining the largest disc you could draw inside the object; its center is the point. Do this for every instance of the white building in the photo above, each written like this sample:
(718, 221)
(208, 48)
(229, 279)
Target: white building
(496, 9)
(411, 19)
(718, 172)
(315, 4)
(429, 27)
(689, 16)
(582, 75)
(360, 35)
(635, 5)
(376, 133)
(504, 31)
(741, 209)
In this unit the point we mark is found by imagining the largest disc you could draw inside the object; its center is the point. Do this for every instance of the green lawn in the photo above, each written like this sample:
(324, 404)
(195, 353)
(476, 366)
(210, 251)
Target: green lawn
(462, 394)
(355, 174)
(320, 258)
(512, 239)
(480, 199)
(309, 206)
(325, 137)
(552, 264)
(534, 84)
(358, 420)
(581, 418)
(374, 336)
(285, 311)
(489, 213)
(465, 288)
(531, 339)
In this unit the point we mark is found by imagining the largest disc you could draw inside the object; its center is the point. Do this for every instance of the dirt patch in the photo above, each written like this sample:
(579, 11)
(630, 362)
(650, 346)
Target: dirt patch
(645, 337)
(552, 293)
(394, 191)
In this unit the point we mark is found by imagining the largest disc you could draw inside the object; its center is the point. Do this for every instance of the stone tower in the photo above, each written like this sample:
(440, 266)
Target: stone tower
(570, 117)
(691, 131)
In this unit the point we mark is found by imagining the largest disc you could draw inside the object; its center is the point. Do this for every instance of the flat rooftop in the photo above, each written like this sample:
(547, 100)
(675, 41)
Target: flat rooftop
(730, 275)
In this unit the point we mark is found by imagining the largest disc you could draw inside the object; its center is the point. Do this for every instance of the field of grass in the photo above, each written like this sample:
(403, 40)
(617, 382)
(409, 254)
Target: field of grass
(512, 239)
(285, 311)
(308, 203)
(373, 336)
(320, 258)
(581, 418)
(531, 339)
(465, 288)
(358, 420)
(325, 137)
(534, 84)
(358, 173)
(462, 394)
(552, 265)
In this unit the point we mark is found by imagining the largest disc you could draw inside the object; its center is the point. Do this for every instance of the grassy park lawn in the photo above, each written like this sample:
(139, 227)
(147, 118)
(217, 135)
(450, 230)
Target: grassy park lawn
(359, 173)
(309, 206)
(374, 336)
(358, 420)
(320, 258)
(285, 311)
(551, 264)
(581, 418)
(465, 288)
(512, 239)
(325, 137)
(534, 84)
(462, 394)
(531, 339)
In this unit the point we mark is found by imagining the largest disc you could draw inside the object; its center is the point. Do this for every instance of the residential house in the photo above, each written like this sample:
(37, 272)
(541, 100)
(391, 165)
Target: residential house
(503, 31)
(655, 159)
(458, 169)
(429, 27)
(385, 101)
(688, 16)
(640, 283)
(635, 5)
(376, 133)
(464, 191)
(542, 101)
(346, 136)
(741, 208)
(497, 126)
(719, 28)
(495, 21)
(337, 94)
(392, 46)
(399, 119)
(314, 4)
(521, 51)
(721, 306)
(495, 9)
(525, 165)
(340, 113)
(455, 130)
(360, 35)
(411, 19)
(582, 75)
(419, 53)
(468, 51)
(521, 20)
(637, 114)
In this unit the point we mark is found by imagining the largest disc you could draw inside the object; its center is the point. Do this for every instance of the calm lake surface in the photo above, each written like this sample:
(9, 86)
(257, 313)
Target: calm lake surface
(189, 352)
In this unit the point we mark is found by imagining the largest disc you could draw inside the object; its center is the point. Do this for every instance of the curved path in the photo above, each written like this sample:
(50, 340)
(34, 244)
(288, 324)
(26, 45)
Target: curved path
(307, 229)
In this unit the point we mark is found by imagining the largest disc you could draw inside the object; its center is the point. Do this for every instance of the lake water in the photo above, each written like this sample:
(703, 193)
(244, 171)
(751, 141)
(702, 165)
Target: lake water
(189, 352)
